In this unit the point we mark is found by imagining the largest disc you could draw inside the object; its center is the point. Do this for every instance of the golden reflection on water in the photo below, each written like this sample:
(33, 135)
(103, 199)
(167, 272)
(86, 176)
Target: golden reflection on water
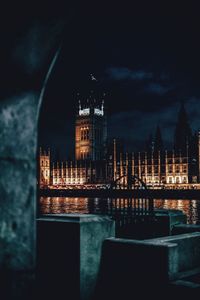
(62, 205)
(189, 207)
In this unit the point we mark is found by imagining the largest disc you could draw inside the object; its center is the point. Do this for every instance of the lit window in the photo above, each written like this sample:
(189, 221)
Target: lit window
(170, 179)
(170, 169)
(184, 179)
(184, 169)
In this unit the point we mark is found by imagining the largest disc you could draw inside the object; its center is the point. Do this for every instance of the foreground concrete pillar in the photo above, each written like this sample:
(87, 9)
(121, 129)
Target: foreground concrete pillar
(20, 100)
(17, 196)
(69, 253)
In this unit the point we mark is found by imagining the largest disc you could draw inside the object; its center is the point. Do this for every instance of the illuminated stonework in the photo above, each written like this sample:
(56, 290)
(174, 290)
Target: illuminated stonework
(44, 167)
(157, 169)
(90, 131)
(68, 174)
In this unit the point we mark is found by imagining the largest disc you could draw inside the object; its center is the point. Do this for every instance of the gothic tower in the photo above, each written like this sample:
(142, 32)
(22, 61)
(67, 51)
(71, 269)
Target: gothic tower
(44, 168)
(199, 156)
(183, 133)
(91, 129)
(158, 142)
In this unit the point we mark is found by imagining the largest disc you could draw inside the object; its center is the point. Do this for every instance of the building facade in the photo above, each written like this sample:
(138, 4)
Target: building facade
(96, 163)
(90, 131)
(44, 168)
(155, 169)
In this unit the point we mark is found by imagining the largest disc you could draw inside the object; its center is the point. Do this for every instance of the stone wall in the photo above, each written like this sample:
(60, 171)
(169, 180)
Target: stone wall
(19, 110)
(18, 127)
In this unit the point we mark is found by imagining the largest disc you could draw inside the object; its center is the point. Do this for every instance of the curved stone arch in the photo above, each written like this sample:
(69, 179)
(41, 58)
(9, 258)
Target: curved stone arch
(48, 74)
(19, 117)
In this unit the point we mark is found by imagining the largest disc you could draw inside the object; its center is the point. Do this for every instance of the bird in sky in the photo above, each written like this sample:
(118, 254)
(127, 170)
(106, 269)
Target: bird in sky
(92, 77)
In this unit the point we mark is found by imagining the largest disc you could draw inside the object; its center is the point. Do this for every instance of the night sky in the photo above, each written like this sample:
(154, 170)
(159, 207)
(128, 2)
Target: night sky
(146, 59)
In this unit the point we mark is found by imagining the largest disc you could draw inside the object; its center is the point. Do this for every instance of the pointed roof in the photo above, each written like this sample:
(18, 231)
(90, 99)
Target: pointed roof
(183, 132)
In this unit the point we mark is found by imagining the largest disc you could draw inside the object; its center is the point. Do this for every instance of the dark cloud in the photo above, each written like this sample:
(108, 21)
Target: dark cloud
(117, 73)
(135, 126)
(157, 88)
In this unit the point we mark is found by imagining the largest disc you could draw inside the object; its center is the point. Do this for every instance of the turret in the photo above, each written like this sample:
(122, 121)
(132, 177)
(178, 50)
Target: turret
(44, 167)
(91, 127)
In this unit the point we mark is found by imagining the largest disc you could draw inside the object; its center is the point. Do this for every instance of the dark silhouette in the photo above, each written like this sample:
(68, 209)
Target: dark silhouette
(183, 132)
(158, 142)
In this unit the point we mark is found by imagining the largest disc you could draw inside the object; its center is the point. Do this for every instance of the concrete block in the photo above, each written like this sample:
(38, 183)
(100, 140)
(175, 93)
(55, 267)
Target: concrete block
(69, 253)
(188, 249)
(185, 228)
(142, 266)
(166, 219)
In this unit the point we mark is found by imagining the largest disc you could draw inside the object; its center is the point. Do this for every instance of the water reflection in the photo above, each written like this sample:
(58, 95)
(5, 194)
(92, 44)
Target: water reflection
(63, 205)
(58, 205)
(190, 207)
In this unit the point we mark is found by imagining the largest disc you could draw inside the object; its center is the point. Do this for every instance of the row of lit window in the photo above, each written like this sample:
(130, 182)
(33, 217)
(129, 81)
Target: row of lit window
(79, 180)
(85, 134)
(43, 173)
(177, 169)
(84, 154)
(69, 175)
(44, 163)
(177, 180)
(169, 180)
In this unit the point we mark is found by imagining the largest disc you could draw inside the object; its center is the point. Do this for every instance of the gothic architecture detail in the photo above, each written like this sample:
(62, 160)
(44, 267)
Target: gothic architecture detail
(97, 164)
(183, 132)
(44, 168)
(91, 130)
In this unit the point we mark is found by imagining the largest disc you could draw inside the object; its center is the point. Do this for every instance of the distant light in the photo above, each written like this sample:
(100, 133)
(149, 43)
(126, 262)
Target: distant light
(98, 112)
(84, 112)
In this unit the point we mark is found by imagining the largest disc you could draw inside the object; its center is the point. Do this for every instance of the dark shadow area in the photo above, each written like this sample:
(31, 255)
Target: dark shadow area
(58, 264)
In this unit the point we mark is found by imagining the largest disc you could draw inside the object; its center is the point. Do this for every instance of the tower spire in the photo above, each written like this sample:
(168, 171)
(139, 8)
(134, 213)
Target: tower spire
(183, 133)
(102, 106)
(158, 143)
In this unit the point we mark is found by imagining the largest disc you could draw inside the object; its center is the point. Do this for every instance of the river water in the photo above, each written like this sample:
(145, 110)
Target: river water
(58, 205)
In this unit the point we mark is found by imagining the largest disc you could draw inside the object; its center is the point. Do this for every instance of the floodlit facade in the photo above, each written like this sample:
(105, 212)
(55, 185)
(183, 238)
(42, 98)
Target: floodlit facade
(97, 163)
(90, 131)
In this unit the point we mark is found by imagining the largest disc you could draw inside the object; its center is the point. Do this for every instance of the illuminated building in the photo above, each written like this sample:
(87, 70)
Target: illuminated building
(91, 130)
(97, 164)
(69, 173)
(44, 167)
(155, 168)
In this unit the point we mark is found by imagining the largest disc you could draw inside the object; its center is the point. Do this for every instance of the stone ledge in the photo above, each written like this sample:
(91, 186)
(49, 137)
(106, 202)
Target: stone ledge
(185, 228)
(75, 218)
